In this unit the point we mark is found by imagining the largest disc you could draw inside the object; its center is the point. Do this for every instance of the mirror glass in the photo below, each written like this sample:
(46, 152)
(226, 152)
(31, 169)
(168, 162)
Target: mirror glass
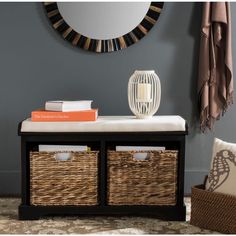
(103, 20)
(103, 26)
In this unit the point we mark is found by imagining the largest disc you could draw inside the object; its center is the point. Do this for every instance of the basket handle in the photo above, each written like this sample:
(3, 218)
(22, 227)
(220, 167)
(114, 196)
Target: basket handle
(63, 156)
(141, 156)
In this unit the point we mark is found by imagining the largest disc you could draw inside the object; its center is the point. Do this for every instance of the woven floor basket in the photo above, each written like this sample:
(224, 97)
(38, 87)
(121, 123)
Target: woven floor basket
(70, 182)
(142, 182)
(214, 211)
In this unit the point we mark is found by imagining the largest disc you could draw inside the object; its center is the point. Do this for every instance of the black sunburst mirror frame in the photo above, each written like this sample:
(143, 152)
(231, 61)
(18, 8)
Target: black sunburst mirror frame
(97, 45)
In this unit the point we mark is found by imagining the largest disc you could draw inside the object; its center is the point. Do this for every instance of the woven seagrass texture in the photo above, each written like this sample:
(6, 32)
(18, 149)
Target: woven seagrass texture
(70, 182)
(142, 182)
(214, 211)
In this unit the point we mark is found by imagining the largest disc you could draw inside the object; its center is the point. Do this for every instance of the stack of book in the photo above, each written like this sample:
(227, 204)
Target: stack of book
(57, 111)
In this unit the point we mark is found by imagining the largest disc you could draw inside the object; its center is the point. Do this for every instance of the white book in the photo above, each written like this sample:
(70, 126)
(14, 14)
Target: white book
(62, 148)
(139, 148)
(65, 106)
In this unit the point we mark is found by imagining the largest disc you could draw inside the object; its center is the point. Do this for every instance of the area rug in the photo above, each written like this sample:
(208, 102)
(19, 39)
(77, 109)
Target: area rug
(9, 224)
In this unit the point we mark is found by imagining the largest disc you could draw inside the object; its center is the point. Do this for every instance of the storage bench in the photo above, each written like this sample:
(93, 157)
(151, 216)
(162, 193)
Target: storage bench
(90, 183)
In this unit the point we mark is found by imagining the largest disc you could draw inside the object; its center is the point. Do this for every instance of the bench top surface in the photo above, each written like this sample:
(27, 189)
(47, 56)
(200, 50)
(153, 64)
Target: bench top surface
(110, 124)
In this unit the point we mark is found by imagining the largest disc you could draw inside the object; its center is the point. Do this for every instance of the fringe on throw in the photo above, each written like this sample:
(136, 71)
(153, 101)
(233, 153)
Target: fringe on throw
(207, 121)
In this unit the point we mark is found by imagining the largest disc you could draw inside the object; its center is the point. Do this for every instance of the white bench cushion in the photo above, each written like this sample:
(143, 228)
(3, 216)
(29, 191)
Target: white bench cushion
(109, 124)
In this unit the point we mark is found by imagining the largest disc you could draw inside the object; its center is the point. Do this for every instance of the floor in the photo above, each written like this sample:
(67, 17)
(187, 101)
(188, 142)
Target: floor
(9, 224)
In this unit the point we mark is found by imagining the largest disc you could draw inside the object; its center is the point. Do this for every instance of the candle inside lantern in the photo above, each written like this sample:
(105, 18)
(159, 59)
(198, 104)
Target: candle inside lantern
(144, 92)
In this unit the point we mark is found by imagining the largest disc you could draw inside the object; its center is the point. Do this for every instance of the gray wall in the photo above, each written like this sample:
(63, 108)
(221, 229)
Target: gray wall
(37, 65)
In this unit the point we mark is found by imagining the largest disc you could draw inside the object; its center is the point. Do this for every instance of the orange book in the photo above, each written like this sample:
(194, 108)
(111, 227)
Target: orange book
(42, 115)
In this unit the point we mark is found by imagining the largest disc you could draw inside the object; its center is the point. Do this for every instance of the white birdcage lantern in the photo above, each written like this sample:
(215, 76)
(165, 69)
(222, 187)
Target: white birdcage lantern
(144, 93)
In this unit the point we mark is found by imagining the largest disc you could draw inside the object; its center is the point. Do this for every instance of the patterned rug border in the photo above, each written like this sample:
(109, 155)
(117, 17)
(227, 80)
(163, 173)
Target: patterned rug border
(9, 223)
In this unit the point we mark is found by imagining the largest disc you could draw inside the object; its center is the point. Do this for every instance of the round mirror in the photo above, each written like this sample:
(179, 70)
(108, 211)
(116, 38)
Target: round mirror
(103, 26)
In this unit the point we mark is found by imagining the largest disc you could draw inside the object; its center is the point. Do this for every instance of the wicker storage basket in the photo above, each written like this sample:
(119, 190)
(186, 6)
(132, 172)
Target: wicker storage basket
(70, 182)
(214, 211)
(142, 182)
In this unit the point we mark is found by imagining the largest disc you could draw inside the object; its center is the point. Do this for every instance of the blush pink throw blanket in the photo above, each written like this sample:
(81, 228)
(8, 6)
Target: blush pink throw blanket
(215, 84)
